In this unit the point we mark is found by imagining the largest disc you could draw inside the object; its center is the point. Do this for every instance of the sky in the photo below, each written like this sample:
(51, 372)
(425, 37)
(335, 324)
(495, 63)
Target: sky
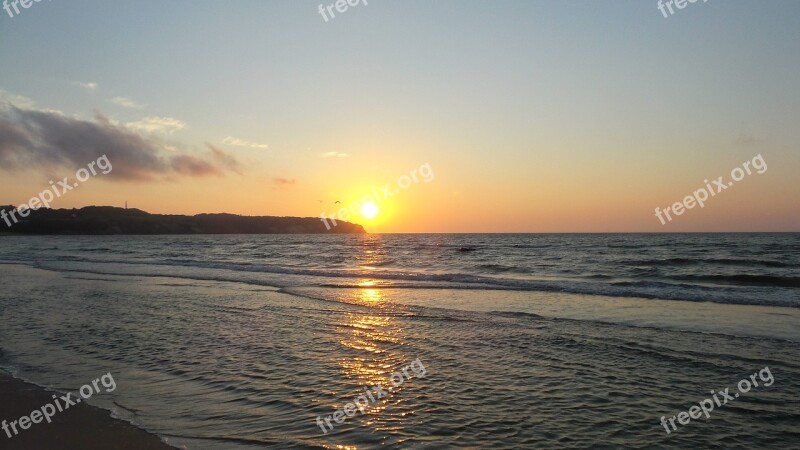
(529, 116)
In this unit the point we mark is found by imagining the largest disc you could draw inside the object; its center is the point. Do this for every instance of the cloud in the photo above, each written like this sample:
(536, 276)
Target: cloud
(193, 166)
(284, 181)
(126, 102)
(224, 158)
(91, 86)
(747, 140)
(230, 140)
(48, 140)
(8, 99)
(334, 155)
(154, 124)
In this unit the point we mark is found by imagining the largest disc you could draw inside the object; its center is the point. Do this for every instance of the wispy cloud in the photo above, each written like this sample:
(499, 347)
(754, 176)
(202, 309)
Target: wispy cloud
(91, 86)
(230, 140)
(334, 155)
(193, 166)
(747, 140)
(154, 124)
(224, 158)
(126, 102)
(284, 181)
(8, 99)
(48, 140)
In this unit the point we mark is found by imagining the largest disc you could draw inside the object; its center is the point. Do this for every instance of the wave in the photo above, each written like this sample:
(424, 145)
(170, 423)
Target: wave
(719, 261)
(649, 289)
(644, 281)
(743, 280)
(501, 268)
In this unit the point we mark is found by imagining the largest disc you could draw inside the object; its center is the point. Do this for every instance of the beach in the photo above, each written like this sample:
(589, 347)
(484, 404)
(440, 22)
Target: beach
(82, 426)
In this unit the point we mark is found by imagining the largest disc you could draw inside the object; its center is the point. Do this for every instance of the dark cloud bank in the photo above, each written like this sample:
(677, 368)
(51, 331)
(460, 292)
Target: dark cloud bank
(47, 139)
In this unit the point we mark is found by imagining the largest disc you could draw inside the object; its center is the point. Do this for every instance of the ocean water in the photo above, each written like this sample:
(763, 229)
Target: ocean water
(527, 341)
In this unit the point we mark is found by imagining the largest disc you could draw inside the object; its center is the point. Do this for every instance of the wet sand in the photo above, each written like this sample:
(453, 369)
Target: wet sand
(80, 427)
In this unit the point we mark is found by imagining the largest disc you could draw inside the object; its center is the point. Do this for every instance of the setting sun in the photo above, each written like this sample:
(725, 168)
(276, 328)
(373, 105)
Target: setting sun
(369, 210)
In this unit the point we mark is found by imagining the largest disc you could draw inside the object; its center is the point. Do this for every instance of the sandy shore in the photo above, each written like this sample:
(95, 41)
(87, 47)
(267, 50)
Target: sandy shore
(80, 427)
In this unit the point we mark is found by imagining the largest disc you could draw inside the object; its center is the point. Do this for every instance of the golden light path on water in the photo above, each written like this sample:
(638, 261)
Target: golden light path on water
(376, 338)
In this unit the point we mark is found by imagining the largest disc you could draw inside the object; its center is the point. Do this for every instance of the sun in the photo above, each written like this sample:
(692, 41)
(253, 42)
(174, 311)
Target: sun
(369, 210)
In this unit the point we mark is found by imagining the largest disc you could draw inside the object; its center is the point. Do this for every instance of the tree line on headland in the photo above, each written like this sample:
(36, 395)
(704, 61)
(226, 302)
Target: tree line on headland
(104, 220)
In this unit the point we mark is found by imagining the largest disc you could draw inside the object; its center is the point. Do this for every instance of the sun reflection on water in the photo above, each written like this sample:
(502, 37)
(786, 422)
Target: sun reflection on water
(374, 338)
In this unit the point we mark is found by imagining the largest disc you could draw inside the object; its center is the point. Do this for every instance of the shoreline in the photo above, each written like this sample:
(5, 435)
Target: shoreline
(81, 426)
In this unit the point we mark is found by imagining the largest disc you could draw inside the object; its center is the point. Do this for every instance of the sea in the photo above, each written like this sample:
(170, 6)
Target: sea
(527, 340)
